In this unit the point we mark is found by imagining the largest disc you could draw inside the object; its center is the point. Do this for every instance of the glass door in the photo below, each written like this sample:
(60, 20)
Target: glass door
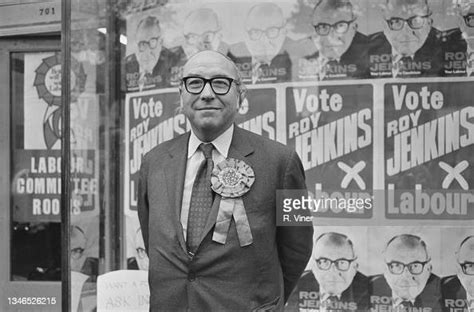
(30, 89)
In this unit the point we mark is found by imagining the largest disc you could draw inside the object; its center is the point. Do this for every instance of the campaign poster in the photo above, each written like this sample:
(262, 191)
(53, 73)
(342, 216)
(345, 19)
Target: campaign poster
(36, 168)
(429, 143)
(150, 119)
(155, 116)
(36, 186)
(257, 36)
(409, 45)
(335, 278)
(457, 284)
(258, 114)
(333, 48)
(331, 129)
(405, 268)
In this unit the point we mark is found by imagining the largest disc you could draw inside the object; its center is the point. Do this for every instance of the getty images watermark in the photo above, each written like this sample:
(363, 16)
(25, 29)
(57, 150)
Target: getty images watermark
(297, 207)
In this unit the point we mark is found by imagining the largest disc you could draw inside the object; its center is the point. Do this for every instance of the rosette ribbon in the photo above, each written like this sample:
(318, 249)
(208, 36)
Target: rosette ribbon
(231, 179)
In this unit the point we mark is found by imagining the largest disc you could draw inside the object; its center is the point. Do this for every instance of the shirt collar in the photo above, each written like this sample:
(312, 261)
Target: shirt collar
(324, 296)
(396, 57)
(469, 53)
(221, 143)
(470, 299)
(398, 301)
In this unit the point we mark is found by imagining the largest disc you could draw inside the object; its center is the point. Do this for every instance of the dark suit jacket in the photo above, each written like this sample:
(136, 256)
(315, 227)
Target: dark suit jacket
(222, 277)
(354, 63)
(452, 289)
(159, 78)
(455, 57)
(428, 60)
(430, 297)
(354, 298)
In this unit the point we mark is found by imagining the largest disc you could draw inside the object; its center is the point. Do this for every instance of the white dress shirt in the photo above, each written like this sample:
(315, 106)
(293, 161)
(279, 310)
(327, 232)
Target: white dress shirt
(195, 158)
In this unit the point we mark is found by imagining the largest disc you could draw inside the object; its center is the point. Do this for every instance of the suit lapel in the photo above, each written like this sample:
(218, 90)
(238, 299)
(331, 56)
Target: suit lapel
(175, 170)
(239, 149)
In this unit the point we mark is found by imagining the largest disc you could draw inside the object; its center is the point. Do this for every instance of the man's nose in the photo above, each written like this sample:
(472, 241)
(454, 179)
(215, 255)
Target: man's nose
(333, 268)
(406, 273)
(207, 92)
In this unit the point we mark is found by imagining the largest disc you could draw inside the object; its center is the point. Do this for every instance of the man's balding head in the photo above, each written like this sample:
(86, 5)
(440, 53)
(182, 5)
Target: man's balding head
(335, 239)
(209, 57)
(265, 14)
(327, 5)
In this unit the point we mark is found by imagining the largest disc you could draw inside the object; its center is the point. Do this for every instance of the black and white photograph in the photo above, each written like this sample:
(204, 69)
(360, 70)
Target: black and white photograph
(236, 155)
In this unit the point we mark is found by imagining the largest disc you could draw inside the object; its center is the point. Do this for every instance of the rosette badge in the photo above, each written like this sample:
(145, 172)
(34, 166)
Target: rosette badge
(232, 178)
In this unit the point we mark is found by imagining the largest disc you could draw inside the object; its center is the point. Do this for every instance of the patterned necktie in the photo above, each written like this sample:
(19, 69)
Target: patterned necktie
(201, 199)
(400, 64)
(329, 304)
(406, 305)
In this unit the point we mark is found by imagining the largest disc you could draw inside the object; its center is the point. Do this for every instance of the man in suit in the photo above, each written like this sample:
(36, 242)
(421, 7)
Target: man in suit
(243, 262)
(407, 282)
(150, 66)
(334, 283)
(264, 56)
(340, 51)
(461, 285)
(408, 46)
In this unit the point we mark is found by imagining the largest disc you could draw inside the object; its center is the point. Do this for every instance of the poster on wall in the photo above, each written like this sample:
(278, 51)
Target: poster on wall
(331, 129)
(270, 42)
(36, 181)
(154, 117)
(429, 143)
(371, 272)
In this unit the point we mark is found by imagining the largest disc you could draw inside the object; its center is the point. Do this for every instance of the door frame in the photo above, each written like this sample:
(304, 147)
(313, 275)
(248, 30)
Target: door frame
(18, 289)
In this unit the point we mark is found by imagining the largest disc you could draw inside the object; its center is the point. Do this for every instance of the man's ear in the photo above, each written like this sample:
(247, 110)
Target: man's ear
(181, 104)
(429, 267)
(242, 94)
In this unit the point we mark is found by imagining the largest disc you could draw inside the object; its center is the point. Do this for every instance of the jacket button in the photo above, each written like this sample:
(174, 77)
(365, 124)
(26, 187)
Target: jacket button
(191, 276)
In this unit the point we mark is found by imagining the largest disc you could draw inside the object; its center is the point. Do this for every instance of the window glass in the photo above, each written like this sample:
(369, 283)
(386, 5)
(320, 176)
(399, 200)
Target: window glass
(35, 166)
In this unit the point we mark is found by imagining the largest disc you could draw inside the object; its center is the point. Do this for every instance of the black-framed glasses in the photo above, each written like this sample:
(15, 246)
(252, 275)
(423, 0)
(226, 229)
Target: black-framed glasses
(76, 253)
(150, 44)
(219, 85)
(194, 38)
(340, 27)
(270, 33)
(415, 267)
(469, 19)
(415, 22)
(342, 264)
(467, 267)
